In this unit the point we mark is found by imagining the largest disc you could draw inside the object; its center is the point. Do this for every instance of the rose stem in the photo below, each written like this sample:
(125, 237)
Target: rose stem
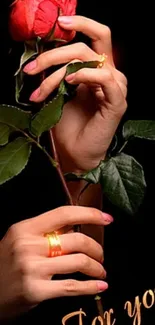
(77, 228)
(100, 308)
(62, 178)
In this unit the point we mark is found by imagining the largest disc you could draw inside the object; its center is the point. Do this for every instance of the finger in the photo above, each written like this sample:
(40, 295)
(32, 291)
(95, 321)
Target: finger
(119, 76)
(53, 81)
(48, 85)
(53, 289)
(67, 264)
(62, 216)
(105, 79)
(99, 33)
(70, 243)
(60, 55)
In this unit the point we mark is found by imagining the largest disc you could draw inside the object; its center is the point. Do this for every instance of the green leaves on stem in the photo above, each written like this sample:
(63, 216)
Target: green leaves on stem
(122, 180)
(121, 176)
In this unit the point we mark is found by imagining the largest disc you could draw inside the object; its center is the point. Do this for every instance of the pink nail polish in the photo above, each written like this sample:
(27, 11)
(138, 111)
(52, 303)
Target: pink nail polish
(30, 66)
(65, 19)
(35, 95)
(102, 286)
(107, 217)
(70, 77)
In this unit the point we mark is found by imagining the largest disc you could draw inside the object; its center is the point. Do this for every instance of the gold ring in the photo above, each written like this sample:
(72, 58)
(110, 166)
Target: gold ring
(54, 244)
(102, 60)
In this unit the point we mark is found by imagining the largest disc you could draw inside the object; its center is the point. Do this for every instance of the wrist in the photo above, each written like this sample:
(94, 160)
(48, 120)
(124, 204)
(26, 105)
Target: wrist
(69, 165)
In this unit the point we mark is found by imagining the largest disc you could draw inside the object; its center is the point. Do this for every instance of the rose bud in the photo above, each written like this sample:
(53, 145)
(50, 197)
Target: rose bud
(30, 19)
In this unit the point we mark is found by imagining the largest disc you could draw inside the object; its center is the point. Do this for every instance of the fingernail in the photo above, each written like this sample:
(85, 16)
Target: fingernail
(107, 217)
(30, 66)
(65, 19)
(70, 77)
(102, 286)
(35, 95)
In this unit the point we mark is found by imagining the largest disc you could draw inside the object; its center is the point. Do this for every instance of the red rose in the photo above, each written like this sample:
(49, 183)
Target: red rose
(32, 18)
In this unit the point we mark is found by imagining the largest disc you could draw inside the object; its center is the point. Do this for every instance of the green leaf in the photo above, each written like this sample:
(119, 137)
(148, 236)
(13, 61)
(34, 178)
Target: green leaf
(4, 134)
(19, 78)
(14, 117)
(64, 87)
(30, 50)
(13, 158)
(92, 176)
(143, 129)
(48, 116)
(73, 67)
(122, 180)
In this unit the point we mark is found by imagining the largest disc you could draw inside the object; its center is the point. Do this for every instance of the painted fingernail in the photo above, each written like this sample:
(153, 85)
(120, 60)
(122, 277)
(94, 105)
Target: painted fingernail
(30, 66)
(35, 95)
(107, 217)
(102, 286)
(65, 19)
(70, 77)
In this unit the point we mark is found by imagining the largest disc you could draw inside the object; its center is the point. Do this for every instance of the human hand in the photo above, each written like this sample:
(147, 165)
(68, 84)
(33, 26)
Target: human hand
(26, 269)
(90, 120)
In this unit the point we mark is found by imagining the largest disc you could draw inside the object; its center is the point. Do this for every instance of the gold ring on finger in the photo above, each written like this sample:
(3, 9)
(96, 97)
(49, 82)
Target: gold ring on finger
(103, 58)
(54, 244)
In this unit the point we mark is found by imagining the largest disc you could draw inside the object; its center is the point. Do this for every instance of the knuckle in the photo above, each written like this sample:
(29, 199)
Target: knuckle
(123, 79)
(101, 272)
(82, 73)
(44, 86)
(106, 32)
(28, 291)
(13, 231)
(70, 286)
(101, 252)
(66, 213)
(18, 247)
(108, 76)
(84, 262)
(25, 266)
(81, 239)
(82, 47)
(63, 211)
(122, 109)
(42, 59)
(94, 213)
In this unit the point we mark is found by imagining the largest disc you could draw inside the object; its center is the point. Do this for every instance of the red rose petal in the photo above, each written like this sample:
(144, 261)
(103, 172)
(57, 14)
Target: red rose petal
(45, 18)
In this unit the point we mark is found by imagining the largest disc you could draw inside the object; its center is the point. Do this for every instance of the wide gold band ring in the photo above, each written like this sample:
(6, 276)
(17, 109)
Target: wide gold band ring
(103, 58)
(54, 244)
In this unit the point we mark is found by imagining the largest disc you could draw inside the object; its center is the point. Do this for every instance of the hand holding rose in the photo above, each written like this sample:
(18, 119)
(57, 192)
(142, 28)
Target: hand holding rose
(90, 120)
(26, 269)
